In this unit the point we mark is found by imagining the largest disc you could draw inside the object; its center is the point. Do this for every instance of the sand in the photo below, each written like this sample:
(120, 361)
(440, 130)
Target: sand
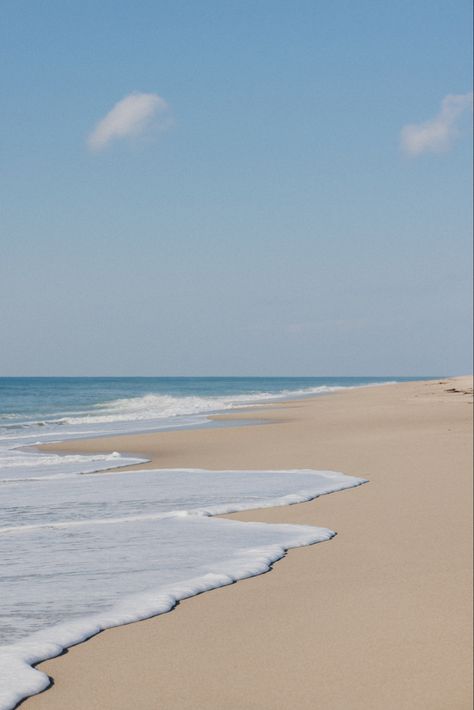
(377, 618)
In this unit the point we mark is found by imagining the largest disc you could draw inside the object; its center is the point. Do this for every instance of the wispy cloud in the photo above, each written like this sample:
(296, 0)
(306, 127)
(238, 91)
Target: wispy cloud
(439, 134)
(131, 116)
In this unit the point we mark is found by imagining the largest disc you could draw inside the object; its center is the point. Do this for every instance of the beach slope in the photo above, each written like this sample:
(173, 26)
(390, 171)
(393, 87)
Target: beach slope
(378, 618)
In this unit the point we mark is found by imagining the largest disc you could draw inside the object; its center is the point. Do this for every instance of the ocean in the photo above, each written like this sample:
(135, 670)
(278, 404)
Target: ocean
(83, 549)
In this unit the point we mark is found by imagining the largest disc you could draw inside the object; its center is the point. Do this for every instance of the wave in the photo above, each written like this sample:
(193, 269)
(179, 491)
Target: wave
(23, 467)
(149, 408)
(328, 482)
(102, 573)
(148, 412)
(161, 406)
(21, 679)
(17, 461)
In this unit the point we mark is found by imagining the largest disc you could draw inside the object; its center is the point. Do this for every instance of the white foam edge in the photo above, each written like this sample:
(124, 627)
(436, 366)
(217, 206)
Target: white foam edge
(17, 660)
(302, 496)
(87, 465)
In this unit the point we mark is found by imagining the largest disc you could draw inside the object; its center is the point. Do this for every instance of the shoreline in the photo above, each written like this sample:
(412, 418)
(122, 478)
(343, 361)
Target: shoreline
(248, 414)
(340, 423)
(253, 414)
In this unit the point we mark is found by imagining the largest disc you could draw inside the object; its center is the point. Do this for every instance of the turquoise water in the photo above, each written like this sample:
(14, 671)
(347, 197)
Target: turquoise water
(31, 400)
(36, 410)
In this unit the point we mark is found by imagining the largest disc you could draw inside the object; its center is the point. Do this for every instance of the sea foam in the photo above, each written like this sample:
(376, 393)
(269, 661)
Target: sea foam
(85, 549)
(64, 418)
(88, 552)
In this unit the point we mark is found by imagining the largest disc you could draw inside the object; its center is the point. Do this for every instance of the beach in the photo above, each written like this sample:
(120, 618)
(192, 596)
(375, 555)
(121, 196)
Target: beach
(378, 617)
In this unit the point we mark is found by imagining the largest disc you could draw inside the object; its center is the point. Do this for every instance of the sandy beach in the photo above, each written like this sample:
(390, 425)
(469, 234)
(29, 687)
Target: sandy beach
(377, 618)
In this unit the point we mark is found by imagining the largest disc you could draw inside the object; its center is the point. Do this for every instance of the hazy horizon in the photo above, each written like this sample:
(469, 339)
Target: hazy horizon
(236, 377)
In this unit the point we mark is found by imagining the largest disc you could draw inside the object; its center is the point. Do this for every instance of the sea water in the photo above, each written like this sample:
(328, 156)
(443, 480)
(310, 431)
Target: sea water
(83, 549)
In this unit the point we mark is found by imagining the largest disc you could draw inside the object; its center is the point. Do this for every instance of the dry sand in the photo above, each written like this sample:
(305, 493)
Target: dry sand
(377, 618)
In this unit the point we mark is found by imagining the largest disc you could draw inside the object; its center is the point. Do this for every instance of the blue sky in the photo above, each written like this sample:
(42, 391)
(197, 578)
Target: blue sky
(273, 225)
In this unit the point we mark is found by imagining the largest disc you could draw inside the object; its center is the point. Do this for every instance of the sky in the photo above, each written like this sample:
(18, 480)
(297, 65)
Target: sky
(235, 188)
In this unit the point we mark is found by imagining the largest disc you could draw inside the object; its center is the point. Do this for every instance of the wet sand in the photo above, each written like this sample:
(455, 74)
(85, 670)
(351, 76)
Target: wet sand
(377, 618)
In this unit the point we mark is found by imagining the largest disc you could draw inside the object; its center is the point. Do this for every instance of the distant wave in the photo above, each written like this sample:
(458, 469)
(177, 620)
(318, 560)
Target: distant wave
(159, 406)
(126, 415)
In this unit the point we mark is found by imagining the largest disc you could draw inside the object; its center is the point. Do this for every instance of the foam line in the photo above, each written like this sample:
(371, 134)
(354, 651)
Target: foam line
(96, 573)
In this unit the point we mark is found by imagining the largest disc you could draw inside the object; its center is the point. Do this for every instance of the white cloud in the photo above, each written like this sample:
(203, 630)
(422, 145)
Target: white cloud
(130, 116)
(437, 135)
